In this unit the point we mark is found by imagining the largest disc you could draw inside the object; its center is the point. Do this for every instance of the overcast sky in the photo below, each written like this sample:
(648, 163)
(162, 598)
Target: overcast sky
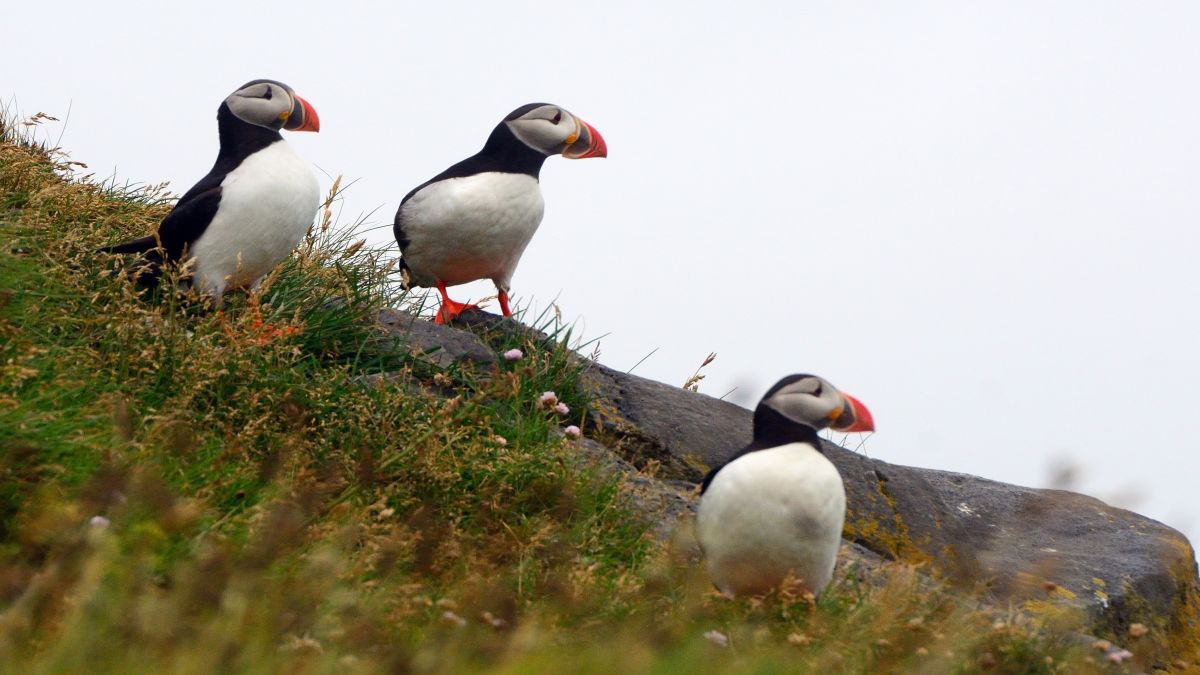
(980, 219)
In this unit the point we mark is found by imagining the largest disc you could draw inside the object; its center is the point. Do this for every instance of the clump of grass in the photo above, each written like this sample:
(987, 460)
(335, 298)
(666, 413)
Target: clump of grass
(183, 489)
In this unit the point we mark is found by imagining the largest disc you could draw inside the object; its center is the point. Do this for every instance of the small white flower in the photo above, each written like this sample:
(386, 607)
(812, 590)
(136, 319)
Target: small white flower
(573, 431)
(562, 409)
(499, 440)
(99, 522)
(717, 638)
(514, 355)
(548, 399)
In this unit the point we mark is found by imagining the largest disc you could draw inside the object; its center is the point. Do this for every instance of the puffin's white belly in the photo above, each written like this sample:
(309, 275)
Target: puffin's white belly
(474, 227)
(769, 513)
(267, 204)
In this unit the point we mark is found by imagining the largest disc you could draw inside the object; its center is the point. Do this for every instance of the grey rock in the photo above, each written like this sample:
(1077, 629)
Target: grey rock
(683, 431)
(665, 503)
(440, 346)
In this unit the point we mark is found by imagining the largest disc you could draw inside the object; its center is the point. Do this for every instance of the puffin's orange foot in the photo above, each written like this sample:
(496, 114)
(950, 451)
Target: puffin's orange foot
(450, 309)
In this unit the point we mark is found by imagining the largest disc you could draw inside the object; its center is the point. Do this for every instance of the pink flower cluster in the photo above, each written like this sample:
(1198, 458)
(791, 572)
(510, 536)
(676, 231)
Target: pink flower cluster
(549, 400)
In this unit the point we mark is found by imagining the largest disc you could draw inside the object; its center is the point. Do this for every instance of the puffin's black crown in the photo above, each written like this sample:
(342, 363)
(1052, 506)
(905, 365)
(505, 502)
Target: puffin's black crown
(522, 110)
(264, 81)
(785, 382)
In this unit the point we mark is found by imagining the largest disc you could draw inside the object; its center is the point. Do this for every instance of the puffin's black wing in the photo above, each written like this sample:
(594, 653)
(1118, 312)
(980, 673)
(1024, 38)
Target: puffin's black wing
(398, 226)
(182, 226)
(188, 220)
(402, 237)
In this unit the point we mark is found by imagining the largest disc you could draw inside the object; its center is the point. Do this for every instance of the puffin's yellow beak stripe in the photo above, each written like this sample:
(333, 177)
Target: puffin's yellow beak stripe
(835, 414)
(575, 134)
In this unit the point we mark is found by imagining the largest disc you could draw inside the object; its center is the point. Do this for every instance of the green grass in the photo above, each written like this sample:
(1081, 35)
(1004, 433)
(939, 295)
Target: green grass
(190, 490)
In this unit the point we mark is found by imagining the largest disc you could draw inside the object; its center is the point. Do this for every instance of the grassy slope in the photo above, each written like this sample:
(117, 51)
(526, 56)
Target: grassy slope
(185, 490)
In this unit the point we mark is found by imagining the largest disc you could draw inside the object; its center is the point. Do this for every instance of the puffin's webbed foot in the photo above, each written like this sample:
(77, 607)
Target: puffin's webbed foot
(449, 308)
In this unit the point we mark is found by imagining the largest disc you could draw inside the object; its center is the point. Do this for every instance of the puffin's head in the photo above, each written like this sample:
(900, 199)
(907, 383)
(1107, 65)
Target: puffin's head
(273, 105)
(813, 401)
(552, 130)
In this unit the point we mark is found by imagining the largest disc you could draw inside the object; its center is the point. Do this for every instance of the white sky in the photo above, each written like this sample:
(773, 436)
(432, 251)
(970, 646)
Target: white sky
(979, 219)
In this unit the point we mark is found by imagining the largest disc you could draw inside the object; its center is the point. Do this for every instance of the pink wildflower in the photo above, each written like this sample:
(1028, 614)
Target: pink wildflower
(1118, 657)
(562, 409)
(573, 431)
(514, 355)
(717, 638)
(548, 399)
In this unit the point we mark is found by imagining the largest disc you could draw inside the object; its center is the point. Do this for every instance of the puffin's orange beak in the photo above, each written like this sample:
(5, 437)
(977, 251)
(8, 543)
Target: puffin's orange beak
(589, 144)
(303, 117)
(854, 416)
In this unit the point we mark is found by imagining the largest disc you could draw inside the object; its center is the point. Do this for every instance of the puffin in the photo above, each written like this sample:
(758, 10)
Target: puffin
(777, 506)
(253, 207)
(474, 220)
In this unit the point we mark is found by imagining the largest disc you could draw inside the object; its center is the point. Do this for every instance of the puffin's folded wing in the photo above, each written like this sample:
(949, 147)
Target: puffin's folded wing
(182, 226)
(188, 220)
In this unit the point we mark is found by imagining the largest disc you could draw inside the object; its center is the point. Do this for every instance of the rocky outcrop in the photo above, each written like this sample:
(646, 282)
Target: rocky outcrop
(1024, 545)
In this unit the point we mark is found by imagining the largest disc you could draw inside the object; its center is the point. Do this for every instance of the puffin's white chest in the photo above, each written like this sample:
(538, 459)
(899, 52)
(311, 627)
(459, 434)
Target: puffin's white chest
(267, 204)
(475, 227)
(769, 513)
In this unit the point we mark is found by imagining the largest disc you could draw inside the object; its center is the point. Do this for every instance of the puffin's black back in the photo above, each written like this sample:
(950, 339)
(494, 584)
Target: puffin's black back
(503, 153)
(771, 430)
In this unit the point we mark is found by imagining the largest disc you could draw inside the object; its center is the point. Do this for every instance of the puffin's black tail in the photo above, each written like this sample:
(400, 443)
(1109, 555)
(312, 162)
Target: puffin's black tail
(139, 245)
(150, 269)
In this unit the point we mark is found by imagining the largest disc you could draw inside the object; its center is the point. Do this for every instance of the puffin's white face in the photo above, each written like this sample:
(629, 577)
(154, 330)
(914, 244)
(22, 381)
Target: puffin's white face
(273, 105)
(551, 130)
(812, 400)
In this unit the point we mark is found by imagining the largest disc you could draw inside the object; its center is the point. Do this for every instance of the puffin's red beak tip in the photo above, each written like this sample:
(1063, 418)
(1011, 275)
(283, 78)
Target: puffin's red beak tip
(599, 147)
(311, 121)
(863, 421)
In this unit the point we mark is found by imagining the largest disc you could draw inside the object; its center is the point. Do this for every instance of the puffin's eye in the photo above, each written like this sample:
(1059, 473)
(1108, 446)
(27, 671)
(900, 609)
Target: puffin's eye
(557, 117)
(267, 94)
(817, 391)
